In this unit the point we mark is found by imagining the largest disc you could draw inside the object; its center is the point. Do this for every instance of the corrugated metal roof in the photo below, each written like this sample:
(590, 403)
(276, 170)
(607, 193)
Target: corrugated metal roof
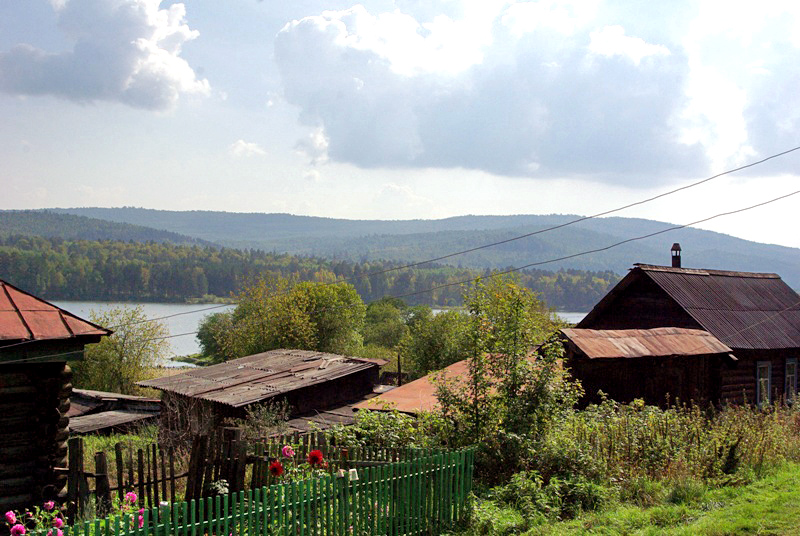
(25, 317)
(743, 310)
(632, 343)
(416, 396)
(257, 377)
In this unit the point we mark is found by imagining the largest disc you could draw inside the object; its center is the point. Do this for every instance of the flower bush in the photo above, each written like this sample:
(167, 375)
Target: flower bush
(46, 517)
(293, 467)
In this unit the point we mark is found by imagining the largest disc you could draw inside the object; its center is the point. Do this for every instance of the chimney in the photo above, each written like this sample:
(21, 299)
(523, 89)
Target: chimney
(676, 255)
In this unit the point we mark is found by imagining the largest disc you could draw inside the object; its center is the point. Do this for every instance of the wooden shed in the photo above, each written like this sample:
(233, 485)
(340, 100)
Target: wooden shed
(737, 338)
(36, 340)
(202, 398)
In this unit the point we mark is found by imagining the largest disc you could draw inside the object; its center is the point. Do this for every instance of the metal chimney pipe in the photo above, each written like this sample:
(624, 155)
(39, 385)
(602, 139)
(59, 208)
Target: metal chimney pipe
(676, 255)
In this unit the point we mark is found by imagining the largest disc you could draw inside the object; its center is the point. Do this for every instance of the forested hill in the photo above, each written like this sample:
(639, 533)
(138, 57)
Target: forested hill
(414, 240)
(55, 268)
(75, 227)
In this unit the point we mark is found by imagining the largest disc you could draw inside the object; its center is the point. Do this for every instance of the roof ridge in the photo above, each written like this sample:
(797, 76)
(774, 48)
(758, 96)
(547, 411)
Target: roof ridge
(705, 271)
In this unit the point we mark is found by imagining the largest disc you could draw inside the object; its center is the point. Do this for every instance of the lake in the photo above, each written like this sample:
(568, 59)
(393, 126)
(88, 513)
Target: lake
(187, 321)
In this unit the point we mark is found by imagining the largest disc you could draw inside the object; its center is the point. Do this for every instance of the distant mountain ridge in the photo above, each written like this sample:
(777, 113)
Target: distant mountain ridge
(415, 240)
(52, 224)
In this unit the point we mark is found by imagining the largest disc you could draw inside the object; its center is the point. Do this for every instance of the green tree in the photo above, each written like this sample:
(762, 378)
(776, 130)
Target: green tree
(435, 341)
(120, 360)
(211, 335)
(275, 314)
(385, 323)
(512, 387)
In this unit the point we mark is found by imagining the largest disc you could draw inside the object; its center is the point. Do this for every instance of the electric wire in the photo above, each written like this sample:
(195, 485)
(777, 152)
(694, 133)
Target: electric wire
(492, 275)
(505, 241)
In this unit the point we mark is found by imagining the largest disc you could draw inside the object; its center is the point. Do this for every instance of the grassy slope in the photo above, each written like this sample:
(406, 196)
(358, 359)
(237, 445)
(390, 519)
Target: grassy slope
(768, 506)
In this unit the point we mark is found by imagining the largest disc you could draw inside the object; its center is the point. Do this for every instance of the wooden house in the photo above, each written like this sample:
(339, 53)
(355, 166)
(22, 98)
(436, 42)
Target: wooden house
(667, 332)
(201, 399)
(36, 340)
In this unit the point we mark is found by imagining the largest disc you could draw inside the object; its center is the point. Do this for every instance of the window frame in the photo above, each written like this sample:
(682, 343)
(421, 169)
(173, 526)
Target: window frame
(790, 389)
(760, 399)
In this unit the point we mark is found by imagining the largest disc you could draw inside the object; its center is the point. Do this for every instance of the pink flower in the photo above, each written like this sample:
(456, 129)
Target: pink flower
(49, 505)
(11, 517)
(130, 497)
(287, 451)
(141, 521)
(17, 530)
(58, 522)
(58, 532)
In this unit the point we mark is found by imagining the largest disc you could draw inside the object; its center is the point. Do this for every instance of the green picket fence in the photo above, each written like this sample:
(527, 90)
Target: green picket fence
(422, 495)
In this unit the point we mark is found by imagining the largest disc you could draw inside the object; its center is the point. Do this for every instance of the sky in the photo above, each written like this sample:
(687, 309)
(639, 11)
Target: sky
(404, 109)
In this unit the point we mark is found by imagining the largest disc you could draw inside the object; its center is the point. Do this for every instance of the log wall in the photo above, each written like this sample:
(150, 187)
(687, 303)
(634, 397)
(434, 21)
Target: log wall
(34, 399)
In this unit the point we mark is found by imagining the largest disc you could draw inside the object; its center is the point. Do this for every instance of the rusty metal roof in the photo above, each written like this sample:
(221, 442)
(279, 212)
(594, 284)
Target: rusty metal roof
(257, 377)
(24, 317)
(416, 396)
(744, 310)
(656, 342)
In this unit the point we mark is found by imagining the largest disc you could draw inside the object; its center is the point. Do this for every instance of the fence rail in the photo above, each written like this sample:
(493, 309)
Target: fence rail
(425, 494)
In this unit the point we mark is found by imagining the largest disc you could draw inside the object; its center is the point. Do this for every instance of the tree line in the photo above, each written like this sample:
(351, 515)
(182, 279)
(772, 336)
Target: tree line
(109, 270)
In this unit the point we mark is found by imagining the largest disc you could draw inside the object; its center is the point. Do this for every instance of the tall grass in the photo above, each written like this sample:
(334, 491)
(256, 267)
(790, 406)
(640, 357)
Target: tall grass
(629, 440)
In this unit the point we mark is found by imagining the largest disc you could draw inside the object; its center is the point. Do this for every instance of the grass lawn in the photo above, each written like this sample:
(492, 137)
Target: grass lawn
(770, 506)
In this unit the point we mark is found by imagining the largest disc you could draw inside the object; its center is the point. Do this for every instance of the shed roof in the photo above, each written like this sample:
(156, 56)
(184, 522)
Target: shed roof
(656, 342)
(24, 317)
(258, 377)
(744, 310)
(96, 422)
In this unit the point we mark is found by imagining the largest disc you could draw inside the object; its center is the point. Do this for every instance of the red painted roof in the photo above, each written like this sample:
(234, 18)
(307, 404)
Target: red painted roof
(24, 317)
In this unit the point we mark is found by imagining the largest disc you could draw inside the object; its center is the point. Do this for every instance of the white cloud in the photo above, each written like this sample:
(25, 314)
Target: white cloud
(126, 51)
(525, 98)
(241, 148)
(611, 41)
(314, 146)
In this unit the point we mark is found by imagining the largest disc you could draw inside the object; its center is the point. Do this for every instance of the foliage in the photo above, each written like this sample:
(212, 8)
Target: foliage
(211, 335)
(389, 428)
(47, 517)
(385, 322)
(275, 314)
(508, 393)
(107, 270)
(434, 341)
(263, 420)
(118, 361)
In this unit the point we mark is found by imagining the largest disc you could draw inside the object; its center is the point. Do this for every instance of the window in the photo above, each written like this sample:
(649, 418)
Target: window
(790, 389)
(763, 386)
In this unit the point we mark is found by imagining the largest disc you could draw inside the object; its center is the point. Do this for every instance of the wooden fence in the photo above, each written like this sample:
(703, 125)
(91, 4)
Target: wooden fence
(148, 471)
(425, 494)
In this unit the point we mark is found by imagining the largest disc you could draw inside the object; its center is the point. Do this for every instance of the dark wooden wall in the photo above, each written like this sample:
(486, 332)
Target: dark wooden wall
(34, 399)
(658, 381)
(739, 381)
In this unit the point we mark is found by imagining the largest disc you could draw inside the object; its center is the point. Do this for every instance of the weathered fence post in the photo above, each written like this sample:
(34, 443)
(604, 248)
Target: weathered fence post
(75, 506)
(120, 471)
(102, 485)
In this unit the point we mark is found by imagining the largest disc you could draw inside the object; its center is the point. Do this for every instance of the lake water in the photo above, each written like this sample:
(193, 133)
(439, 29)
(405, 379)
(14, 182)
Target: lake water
(572, 317)
(182, 319)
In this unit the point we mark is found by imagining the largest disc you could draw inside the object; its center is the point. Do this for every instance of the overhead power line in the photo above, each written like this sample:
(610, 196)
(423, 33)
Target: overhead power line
(512, 239)
(492, 275)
